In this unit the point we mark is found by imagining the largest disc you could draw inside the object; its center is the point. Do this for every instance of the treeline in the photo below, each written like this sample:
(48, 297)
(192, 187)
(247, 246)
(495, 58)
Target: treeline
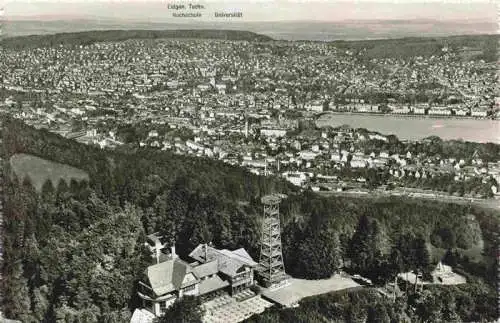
(186, 310)
(435, 304)
(73, 252)
(139, 175)
(474, 186)
(412, 47)
(91, 37)
(372, 237)
(458, 149)
(69, 256)
(432, 147)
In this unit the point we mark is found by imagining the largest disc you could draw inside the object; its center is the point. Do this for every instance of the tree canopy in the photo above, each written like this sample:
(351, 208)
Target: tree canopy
(75, 251)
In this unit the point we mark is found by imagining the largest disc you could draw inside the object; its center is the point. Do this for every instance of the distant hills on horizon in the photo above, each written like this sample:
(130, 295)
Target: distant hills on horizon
(279, 30)
(96, 36)
(54, 17)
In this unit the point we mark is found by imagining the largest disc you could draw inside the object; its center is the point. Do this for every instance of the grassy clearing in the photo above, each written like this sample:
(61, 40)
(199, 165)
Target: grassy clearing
(39, 170)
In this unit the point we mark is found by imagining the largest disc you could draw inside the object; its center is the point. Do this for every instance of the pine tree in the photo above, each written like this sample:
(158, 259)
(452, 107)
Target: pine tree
(40, 303)
(62, 192)
(377, 314)
(16, 294)
(359, 247)
(367, 246)
(48, 191)
(186, 310)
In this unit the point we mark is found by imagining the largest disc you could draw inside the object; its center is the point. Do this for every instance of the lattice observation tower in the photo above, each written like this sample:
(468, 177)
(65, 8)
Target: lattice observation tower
(271, 268)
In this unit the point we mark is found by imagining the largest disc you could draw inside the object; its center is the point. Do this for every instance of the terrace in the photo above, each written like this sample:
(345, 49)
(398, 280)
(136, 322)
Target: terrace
(298, 289)
(226, 309)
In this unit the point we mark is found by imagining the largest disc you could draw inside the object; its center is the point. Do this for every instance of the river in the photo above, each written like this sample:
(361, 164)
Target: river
(475, 130)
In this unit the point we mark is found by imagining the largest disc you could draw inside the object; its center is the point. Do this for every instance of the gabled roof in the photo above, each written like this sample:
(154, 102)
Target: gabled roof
(230, 266)
(142, 316)
(240, 255)
(181, 270)
(243, 253)
(210, 284)
(160, 277)
(206, 269)
(167, 276)
(229, 262)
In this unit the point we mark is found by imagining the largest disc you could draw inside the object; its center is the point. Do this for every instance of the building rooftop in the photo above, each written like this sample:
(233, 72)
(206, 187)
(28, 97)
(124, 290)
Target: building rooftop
(229, 262)
(271, 199)
(142, 316)
(206, 269)
(167, 276)
(212, 284)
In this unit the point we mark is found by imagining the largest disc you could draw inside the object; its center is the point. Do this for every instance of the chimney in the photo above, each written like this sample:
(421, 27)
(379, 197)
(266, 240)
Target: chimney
(172, 251)
(157, 253)
(206, 251)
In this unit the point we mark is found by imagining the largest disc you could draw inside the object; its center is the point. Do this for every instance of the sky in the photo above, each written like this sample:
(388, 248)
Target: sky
(258, 10)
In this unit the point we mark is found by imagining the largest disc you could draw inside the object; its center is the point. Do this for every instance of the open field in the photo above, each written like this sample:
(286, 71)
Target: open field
(39, 170)
(301, 288)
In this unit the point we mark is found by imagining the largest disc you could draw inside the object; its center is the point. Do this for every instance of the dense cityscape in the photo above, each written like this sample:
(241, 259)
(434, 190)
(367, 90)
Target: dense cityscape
(191, 180)
(247, 103)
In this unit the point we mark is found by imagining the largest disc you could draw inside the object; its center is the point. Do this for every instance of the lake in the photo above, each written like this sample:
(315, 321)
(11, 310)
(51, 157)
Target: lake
(413, 129)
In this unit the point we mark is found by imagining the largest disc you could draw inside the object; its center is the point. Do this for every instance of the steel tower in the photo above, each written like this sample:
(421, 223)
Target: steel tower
(271, 268)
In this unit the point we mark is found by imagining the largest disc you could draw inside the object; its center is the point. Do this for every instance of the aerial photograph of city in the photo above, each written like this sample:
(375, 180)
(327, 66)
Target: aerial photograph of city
(249, 161)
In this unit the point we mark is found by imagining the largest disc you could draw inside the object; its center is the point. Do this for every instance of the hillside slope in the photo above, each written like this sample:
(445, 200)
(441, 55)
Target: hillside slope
(90, 37)
(77, 251)
(39, 170)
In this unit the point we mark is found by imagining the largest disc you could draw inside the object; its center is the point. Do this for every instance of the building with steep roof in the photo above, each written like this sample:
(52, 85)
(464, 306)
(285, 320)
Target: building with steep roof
(213, 270)
(235, 267)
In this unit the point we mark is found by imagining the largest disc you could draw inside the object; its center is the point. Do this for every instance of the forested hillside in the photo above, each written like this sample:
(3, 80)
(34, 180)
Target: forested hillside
(366, 305)
(90, 37)
(487, 45)
(74, 252)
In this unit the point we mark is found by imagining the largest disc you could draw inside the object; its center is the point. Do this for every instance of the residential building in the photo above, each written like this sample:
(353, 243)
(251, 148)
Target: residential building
(212, 270)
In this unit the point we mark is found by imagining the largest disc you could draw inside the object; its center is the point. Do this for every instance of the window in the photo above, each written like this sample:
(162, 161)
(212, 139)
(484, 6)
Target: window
(145, 289)
(149, 305)
(163, 307)
(189, 288)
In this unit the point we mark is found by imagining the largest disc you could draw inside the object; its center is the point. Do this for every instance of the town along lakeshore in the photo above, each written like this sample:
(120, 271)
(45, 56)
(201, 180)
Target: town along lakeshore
(407, 128)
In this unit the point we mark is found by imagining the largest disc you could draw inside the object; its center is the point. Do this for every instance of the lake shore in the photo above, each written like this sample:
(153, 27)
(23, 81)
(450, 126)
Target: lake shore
(404, 116)
(407, 128)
